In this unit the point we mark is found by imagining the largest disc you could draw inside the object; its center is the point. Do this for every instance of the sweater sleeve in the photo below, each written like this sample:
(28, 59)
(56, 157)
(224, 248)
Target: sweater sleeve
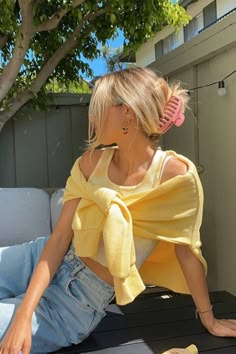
(71, 189)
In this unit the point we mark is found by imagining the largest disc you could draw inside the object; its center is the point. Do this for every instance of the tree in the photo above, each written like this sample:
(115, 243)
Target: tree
(113, 58)
(41, 40)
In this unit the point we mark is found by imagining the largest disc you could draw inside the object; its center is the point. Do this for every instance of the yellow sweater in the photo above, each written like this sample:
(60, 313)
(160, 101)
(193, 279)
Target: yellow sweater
(170, 213)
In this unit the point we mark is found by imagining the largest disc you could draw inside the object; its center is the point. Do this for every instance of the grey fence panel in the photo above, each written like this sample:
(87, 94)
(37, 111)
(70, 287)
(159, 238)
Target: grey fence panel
(7, 156)
(38, 149)
(31, 150)
(59, 143)
(79, 120)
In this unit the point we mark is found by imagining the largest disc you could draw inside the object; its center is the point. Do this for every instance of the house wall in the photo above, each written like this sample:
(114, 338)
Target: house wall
(217, 147)
(224, 6)
(37, 149)
(146, 53)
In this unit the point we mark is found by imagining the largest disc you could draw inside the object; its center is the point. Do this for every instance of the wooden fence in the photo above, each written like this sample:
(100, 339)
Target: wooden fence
(37, 149)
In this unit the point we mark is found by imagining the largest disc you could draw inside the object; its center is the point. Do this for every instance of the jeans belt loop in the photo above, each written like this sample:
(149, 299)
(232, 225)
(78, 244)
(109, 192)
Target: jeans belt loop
(77, 269)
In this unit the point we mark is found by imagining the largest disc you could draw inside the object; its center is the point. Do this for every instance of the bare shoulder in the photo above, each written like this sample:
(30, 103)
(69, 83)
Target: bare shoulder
(89, 161)
(173, 168)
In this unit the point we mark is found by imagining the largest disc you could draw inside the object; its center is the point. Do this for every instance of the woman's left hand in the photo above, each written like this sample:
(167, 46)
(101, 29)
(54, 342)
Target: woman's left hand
(222, 328)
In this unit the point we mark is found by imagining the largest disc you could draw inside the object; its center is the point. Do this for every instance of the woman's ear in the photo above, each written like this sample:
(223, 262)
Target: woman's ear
(129, 113)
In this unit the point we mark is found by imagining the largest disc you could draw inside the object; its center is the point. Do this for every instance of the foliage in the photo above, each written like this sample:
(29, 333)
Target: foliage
(78, 86)
(41, 40)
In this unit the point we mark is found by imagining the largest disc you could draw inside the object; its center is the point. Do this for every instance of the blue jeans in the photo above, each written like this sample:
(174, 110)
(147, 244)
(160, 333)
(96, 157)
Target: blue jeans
(70, 308)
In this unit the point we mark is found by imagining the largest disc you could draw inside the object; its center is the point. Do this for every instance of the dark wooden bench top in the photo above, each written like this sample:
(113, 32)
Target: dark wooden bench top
(155, 322)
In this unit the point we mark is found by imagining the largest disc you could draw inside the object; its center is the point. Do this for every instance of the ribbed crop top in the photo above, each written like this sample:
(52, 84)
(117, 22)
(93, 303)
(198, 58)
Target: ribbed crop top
(100, 176)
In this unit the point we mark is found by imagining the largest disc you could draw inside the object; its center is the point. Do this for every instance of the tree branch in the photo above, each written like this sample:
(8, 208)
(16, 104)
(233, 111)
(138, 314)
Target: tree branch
(56, 18)
(11, 70)
(61, 52)
(3, 40)
(24, 5)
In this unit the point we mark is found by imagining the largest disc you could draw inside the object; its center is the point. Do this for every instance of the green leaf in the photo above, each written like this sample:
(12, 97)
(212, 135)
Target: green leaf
(113, 18)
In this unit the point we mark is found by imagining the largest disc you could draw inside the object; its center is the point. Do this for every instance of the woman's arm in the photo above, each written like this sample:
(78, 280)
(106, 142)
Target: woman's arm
(195, 277)
(18, 336)
(50, 259)
(194, 273)
(59, 241)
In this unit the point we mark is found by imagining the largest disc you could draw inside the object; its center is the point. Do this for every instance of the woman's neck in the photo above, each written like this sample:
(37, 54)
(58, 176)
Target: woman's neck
(134, 157)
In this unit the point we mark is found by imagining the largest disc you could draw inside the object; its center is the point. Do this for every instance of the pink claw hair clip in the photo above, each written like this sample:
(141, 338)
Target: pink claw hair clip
(172, 115)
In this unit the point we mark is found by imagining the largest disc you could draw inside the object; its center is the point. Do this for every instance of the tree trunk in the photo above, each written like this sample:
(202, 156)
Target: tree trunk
(5, 115)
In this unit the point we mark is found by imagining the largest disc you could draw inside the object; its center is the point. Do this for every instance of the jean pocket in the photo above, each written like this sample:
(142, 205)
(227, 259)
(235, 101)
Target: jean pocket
(80, 293)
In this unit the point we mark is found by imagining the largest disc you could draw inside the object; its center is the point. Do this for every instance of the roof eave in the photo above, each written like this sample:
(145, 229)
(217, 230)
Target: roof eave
(185, 3)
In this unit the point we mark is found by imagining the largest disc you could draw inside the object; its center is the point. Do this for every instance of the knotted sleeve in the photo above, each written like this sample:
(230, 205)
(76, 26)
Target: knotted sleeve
(118, 239)
(101, 213)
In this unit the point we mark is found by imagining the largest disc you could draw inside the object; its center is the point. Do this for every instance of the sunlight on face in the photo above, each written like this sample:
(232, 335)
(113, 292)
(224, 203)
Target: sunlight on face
(111, 130)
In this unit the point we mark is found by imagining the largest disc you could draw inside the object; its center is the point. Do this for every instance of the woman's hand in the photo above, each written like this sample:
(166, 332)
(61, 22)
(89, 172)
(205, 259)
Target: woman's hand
(18, 337)
(221, 328)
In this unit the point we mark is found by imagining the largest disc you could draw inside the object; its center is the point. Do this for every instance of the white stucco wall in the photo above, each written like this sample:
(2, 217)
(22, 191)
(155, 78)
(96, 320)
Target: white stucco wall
(224, 6)
(146, 53)
(217, 146)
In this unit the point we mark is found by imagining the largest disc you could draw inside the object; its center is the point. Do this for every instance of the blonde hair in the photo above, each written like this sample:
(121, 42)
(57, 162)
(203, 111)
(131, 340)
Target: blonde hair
(138, 88)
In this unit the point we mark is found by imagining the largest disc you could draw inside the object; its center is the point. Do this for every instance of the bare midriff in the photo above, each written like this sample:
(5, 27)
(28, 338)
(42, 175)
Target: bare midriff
(99, 269)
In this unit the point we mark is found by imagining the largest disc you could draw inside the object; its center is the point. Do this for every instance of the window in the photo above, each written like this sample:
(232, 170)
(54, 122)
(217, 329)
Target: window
(158, 49)
(170, 43)
(194, 26)
(209, 14)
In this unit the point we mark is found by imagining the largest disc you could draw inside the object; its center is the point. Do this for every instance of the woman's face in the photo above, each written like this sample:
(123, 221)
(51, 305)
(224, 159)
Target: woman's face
(112, 131)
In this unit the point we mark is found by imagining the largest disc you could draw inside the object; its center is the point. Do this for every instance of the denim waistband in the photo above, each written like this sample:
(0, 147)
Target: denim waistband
(77, 265)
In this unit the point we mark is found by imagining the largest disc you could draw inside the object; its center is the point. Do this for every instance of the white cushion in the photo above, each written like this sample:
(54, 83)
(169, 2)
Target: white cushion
(56, 206)
(24, 215)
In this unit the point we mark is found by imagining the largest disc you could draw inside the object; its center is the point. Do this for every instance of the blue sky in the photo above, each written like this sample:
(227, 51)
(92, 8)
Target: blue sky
(98, 65)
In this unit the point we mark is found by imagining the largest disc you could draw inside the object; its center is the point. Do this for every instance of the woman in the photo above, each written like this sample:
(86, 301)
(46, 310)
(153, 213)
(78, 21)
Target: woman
(124, 206)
